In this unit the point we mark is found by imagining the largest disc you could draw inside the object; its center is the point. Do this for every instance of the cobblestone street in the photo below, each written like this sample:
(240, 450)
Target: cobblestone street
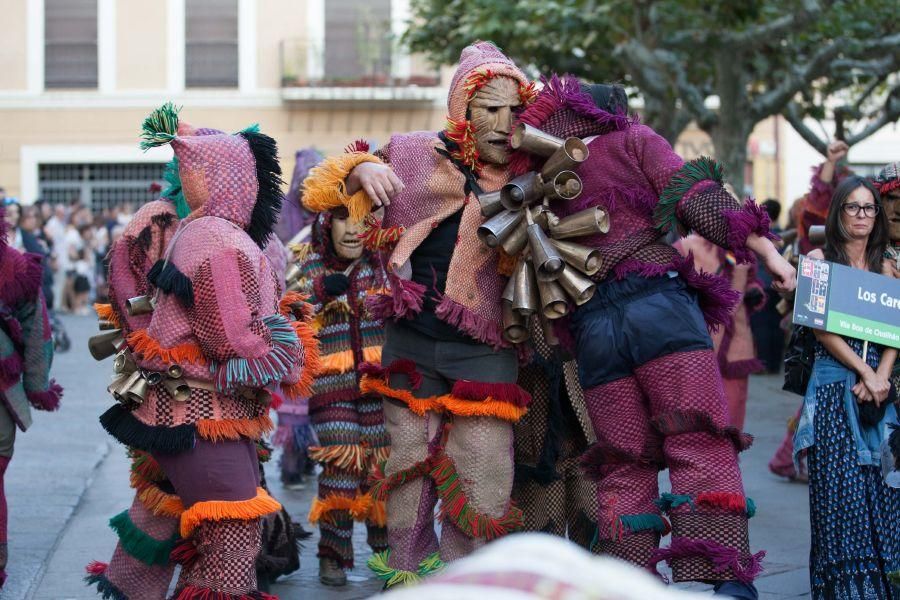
(68, 478)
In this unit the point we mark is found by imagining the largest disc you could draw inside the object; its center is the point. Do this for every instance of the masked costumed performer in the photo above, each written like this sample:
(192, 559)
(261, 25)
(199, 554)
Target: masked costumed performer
(444, 358)
(26, 352)
(215, 341)
(335, 272)
(651, 382)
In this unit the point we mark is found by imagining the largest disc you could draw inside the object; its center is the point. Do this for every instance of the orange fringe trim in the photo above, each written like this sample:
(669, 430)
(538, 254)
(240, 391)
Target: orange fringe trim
(105, 312)
(325, 189)
(342, 362)
(312, 363)
(141, 343)
(350, 457)
(291, 298)
(221, 510)
(160, 503)
(359, 507)
(217, 430)
(378, 513)
(447, 403)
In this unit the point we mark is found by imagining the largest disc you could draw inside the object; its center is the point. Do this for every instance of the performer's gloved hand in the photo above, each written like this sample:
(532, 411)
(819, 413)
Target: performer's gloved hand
(335, 284)
(753, 296)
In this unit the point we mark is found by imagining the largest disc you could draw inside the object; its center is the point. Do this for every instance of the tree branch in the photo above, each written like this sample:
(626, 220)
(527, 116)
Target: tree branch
(666, 65)
(794, 116)
(890, 114)
(773, 101)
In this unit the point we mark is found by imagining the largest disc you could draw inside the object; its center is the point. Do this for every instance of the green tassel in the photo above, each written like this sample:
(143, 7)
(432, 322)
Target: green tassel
(160, 127)
(643, 522)
(249, 129)
(690, 174)
(174, 192)
(431, 564)
(751, 508)
(378, 563)
(667, 501)
(138, 544)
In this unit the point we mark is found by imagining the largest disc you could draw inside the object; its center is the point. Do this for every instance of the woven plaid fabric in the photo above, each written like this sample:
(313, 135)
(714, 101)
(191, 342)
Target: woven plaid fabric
(132, 576)
(661, 413)
(226, 557)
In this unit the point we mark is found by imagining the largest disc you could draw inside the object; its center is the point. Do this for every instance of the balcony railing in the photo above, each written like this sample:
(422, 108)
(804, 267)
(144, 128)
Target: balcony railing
(312, 71)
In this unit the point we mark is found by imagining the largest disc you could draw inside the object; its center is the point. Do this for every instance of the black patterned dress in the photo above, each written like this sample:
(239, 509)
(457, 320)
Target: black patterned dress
(854, 516)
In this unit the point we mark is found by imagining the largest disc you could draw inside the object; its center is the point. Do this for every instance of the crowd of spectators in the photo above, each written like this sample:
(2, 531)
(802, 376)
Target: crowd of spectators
(74, 242)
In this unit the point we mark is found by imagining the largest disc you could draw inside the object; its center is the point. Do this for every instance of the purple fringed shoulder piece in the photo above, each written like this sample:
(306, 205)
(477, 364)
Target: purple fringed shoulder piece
(10, 370)
(47, 399)
(714, 293)
(21, 276)
(471, 324)
(403, 301)
(742, 223)
(745, 568)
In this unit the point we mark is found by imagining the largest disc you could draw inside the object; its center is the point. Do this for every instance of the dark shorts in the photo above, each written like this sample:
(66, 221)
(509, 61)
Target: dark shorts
(226, 470)
(442, 363)
(633, 321)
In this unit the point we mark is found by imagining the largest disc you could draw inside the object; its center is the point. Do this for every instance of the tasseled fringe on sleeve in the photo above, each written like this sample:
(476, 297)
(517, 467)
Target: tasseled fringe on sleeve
(325, 189)
(47, 399)
(271, 367)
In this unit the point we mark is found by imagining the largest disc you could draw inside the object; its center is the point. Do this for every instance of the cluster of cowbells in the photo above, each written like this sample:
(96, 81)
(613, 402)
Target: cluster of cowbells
(550, 271)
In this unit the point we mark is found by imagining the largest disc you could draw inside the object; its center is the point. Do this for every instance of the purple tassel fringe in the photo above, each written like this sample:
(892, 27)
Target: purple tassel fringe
(48, 399)
(404, 300)
(724, 559)
(742, 223)
(471, 324)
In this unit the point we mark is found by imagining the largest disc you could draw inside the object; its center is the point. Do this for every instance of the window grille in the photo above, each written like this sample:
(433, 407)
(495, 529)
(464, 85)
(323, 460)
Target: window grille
(70, 44)
(99, 186)
(358, 41)
(211, 43)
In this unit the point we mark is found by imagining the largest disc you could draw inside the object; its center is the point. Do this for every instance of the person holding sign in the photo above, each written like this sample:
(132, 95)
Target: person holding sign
(853, 513)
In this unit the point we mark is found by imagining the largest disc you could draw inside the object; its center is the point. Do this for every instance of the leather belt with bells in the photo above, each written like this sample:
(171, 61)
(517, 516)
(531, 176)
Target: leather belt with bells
(131, 383)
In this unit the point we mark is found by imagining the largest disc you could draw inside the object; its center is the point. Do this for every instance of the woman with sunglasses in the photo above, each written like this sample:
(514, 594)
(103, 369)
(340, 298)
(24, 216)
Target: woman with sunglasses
(853, 513)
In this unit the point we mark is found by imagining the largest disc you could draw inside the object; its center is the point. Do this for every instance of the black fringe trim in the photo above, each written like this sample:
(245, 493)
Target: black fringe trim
(145, 237)
(163, 220)
(105, 588)
(268, 174)
(127, 429)
(170, 280)
(544, 472)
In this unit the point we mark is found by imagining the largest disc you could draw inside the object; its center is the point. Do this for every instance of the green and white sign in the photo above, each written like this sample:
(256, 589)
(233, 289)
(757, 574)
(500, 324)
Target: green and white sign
(848, 302)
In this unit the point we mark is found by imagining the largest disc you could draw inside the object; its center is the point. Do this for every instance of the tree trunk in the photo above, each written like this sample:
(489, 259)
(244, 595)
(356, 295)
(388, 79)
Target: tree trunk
(735, 120)
(730, 140)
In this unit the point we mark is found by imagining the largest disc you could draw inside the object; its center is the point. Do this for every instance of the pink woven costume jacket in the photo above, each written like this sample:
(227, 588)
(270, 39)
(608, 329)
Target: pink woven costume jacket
(26, 344)
(647, 189)
(217, 305)
(733, 343)
(143, 242)
(434, 190)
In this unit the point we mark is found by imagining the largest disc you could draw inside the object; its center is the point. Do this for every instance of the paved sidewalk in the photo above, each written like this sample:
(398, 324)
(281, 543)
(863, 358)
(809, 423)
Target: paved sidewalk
(68, 478)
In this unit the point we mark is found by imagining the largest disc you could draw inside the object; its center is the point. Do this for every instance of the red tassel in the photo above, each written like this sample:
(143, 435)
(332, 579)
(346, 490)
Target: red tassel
(96, 568)
(724, 500)
(503, 392)
(185, 553)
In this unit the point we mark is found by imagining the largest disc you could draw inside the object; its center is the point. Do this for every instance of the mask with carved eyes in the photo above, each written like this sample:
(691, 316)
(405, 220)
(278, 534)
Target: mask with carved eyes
(491, 113)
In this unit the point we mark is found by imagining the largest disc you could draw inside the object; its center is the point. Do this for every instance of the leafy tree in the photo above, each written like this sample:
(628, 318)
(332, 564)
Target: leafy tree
(724, 64)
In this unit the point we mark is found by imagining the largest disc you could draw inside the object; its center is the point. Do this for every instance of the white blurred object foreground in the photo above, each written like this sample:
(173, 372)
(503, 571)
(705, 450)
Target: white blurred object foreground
(535, 565)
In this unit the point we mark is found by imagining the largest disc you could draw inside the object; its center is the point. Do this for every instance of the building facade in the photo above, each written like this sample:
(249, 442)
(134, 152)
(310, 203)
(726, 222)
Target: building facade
(78, 76)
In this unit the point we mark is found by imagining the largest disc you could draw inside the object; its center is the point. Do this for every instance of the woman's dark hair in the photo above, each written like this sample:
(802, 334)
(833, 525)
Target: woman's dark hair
(836, 237)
